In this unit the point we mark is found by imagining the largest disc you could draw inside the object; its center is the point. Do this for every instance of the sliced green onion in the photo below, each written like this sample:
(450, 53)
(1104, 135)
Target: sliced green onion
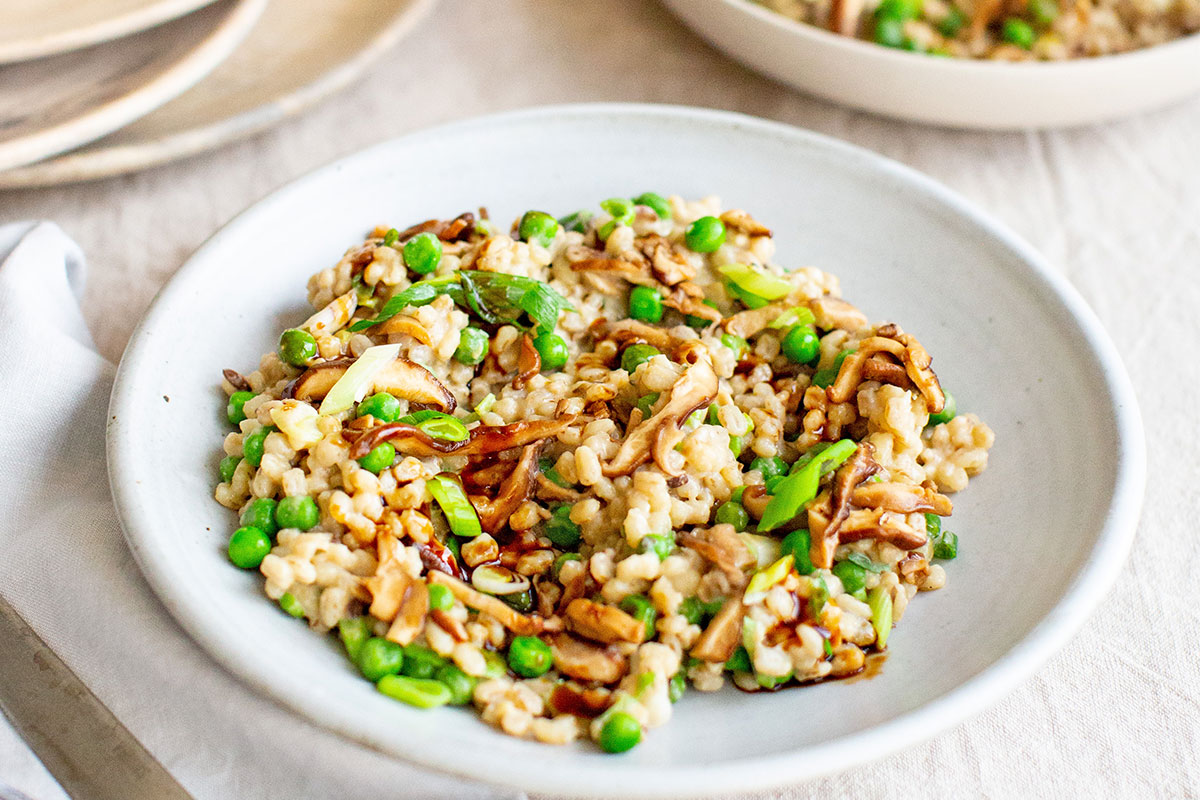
(819, 596)
(391, 237)
(749, 299)
(866, 563)
(290, 605)
(485, 405)
(766, 549)
(419, 692)
(356, 382)
(460, 514)
(756, 281)
(799, 315)
(771, 575)
(825, 377)
(795, 491)
(880, 601)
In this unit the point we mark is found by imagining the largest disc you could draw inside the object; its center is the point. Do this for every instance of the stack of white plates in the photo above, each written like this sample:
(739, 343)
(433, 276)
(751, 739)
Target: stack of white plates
(92, 88)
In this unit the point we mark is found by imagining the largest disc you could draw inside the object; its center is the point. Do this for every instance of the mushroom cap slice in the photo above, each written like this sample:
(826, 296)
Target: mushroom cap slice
(603, 623)
(405, 379)
(722, 635)
(587, 661)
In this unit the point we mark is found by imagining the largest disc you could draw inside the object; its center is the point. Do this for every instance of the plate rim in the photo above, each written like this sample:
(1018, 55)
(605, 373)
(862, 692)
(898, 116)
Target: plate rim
(84, 164)
(1076, 604)
(188, 70)
(134, 21)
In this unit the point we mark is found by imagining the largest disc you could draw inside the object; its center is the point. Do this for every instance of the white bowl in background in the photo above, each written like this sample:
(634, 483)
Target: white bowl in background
(1043, 532)
(960, 93)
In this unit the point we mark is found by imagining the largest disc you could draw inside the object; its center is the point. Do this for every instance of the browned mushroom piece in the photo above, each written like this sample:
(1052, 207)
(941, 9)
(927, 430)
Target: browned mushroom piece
(390, 582)
(668, 265)
(844, 16)
(835, 313)
(603, 623)
(405, 379)
(753, 320)
(483, 440)
(917, 361)
(857, 469)
(902, 498)
(722, 546)
(236, 380)
(876, 523)
(549, 490)
(634, 273)
(515, 621)
(738, 220)
(586, 661)
(407, 325)
(630, 331)
(658, 435)
(450, 625)
(850, 375)
(721, 637)
(529, 362)
(986, 12)
(880, 368)
(755, 499)
(688, 298)
(447, 230)
(436, 557)
(410, 620)
(494, 514)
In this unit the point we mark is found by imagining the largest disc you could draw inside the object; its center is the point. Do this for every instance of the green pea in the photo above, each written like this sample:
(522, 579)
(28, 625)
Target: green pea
(952, 23)
(637, 354)
(460, 684)
(705, 235)
(658, 544)
(563, 559)
(739, 661)
(949, 410)
(801, 344)
(852, 576)
(538, 227)
(420, 661)
(1019, 32)
(646, 402)
(472, 346)
(622, 214)
(561, 530)
(770, 467)
(494, 664)
(354, 632)
(391, 237)
(889, 32)
(296, 347)
(290, 605)
(899, 9)
(734, 514)
(798, 544)
(233, 409)
(645, 304)
(640, 608)
(228, 466)
(1044, 12)
(575, 222)
(552, 349)
(382, 406)
(440, 598)
(297, 512)
(736, 343)
(519, 601)
(548, 469)
(422, 693)
(692, 610)
(252, 445)
(621, 732)
(677, 686)
(529, 656)
(380, 458)
(261, 514)
(248, 546)
(826, 377)
(423, 253)
(659, 204)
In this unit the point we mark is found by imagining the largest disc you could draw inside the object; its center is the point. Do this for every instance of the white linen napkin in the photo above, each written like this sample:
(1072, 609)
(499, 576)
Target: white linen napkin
(65, 567)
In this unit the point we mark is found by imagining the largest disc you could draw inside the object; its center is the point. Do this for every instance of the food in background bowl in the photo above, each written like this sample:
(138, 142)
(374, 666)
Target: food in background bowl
(1006, 30)
(563, 474)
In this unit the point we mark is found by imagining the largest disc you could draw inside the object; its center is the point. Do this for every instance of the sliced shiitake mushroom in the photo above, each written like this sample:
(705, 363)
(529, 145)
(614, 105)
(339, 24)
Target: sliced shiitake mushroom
(405, 379)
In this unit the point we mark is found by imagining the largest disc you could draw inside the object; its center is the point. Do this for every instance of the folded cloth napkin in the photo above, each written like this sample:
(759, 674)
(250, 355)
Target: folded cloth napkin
(65, 568)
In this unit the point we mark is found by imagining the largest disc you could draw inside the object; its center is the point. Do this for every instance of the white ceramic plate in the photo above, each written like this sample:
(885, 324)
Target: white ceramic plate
(1043, 532)
(37, 28)
(299, 52)
(943, 91)
(53, 104)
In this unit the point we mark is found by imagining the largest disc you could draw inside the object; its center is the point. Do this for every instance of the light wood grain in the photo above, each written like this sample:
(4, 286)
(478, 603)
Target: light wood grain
(54, 104)
(299, 52)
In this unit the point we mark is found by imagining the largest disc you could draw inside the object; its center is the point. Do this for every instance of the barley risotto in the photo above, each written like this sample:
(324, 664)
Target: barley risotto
(565, 473)
(1003, 30)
